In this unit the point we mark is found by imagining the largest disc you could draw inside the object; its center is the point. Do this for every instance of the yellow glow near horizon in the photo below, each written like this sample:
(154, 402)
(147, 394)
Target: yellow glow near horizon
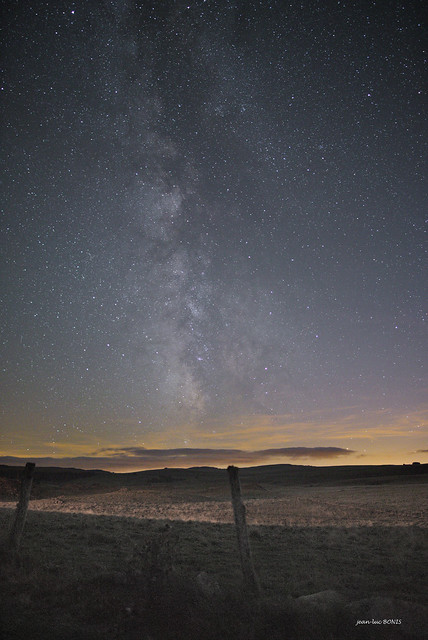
(376, 436)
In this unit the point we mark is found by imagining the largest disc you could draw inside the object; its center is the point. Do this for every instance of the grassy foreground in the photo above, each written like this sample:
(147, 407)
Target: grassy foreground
(83, 577)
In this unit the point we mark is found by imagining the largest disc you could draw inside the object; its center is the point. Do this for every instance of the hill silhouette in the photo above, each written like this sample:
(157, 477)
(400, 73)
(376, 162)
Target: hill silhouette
(49, 481)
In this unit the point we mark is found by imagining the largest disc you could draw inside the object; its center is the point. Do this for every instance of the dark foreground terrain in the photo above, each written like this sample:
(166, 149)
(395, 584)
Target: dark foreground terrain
(338, 555)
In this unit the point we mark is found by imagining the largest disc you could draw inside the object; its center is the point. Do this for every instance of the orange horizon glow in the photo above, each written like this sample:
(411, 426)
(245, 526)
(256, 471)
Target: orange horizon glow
(375, 437)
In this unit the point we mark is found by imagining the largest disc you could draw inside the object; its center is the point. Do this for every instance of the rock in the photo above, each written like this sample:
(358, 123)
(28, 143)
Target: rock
(322, 601)
(207, 584)
(317, 615)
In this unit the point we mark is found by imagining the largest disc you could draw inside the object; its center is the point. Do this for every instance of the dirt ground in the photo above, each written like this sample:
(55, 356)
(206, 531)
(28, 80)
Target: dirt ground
(383, 505)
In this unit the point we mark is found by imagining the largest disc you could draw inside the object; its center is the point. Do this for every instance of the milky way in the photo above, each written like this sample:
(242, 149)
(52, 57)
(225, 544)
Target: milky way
(212, 211)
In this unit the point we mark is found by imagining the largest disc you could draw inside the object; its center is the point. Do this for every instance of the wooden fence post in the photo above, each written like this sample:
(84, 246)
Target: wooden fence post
(250, 580)
(21, 508)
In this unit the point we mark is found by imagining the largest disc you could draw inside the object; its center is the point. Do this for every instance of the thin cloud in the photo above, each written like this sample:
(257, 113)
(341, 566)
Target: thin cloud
(289, 452)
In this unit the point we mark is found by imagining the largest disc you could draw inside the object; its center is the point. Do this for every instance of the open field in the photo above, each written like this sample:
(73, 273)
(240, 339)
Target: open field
(382, 505)
(100, 559)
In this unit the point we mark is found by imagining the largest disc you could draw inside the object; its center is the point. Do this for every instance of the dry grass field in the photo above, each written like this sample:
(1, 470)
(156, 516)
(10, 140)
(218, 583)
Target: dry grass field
(159, 560)
(380, 505)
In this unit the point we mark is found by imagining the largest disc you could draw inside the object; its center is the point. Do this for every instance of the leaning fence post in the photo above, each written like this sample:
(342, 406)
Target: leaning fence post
(250, 580)
(21, 508)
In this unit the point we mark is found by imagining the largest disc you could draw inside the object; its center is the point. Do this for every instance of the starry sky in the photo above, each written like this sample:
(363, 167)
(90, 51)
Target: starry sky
(212, 246)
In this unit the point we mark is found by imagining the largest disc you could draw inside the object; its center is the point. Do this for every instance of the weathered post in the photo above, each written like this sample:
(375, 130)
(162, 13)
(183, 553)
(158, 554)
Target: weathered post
(250, 580)
(21, 508)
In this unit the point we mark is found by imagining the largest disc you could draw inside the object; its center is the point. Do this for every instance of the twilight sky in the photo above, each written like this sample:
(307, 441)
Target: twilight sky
(213, 218)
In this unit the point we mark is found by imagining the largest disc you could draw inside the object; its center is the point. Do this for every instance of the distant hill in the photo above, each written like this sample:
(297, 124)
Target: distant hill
(52, 474)
(51, 481)
(282, 474)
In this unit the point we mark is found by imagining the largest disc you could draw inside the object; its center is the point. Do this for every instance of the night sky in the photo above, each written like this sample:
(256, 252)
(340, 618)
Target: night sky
(212, 247)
